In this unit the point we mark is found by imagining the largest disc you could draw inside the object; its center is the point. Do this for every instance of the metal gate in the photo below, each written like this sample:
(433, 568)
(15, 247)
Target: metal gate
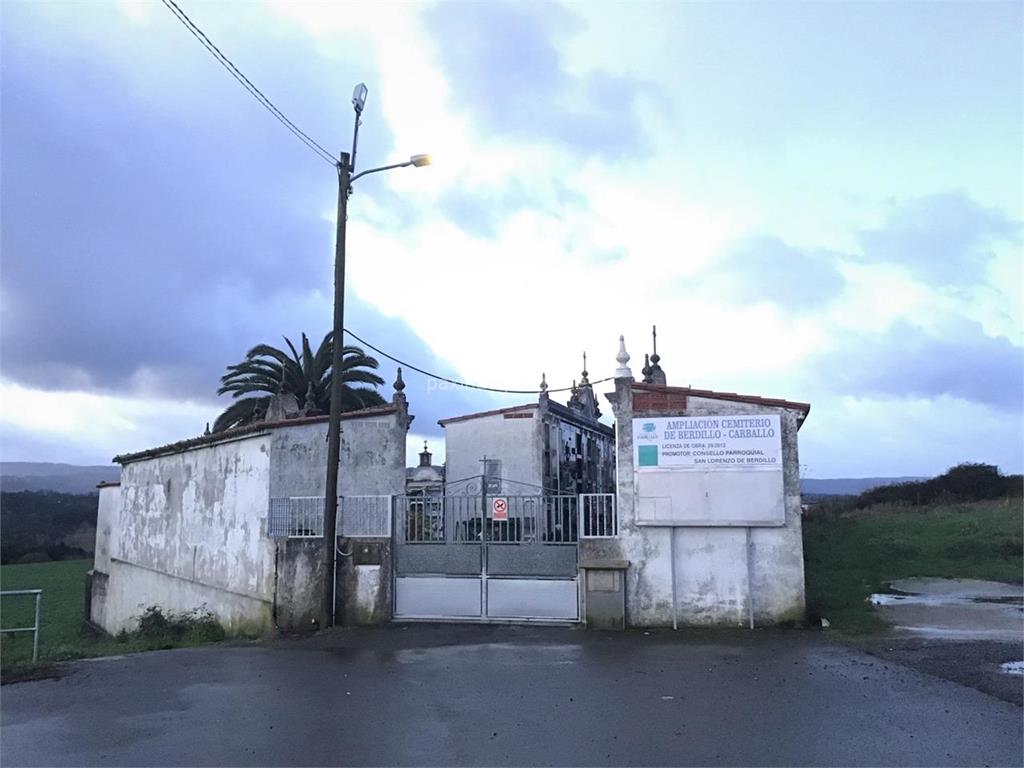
(486, 557)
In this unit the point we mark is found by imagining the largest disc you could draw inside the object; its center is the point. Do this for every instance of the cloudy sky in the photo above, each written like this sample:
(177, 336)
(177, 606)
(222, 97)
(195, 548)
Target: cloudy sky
(814, 201)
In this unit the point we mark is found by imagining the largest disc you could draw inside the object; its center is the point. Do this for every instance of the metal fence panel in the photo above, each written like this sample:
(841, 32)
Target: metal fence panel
(598, 516)
(302, 517)
(365, 517)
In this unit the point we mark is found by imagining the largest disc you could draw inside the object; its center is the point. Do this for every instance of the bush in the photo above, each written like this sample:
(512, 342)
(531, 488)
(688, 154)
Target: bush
(197, 625)
(963, 483)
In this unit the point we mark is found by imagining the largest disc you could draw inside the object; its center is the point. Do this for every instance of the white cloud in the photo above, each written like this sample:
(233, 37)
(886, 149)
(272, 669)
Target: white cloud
(84, 423)
(593, 248)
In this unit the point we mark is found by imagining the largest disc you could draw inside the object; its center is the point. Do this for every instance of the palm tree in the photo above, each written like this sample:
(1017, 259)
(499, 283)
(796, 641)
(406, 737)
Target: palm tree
(306, 376)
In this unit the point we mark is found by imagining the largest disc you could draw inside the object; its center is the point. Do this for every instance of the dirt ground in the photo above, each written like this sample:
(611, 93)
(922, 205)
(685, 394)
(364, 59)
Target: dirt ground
(974, 663)
(962, 630)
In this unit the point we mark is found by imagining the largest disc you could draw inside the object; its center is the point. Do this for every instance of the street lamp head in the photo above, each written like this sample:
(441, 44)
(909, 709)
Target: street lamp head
(420, 160)
(359, 97)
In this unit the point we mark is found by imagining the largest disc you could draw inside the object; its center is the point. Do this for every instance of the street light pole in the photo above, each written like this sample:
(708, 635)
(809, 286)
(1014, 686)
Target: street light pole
(346, 175)
(334, 422)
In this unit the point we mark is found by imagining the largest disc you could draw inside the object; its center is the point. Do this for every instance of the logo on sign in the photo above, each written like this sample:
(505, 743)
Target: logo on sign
(499, 509)
(649, 427)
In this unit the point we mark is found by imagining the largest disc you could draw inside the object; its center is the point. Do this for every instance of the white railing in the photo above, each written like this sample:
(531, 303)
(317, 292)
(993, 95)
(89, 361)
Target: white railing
(302, 517)
(34, 629)
(296, 517)
(598, 516)
(364, 517)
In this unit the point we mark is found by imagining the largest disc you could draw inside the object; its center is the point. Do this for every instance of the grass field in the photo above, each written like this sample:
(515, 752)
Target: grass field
(849, 556)
(62, 611)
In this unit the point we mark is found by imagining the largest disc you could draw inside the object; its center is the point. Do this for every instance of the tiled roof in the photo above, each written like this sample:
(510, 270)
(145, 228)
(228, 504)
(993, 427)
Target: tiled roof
(481, 414)
(249, 429)
(730, 396)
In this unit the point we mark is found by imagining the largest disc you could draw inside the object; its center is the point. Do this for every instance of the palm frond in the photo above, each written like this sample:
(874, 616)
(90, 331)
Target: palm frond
(240, 413)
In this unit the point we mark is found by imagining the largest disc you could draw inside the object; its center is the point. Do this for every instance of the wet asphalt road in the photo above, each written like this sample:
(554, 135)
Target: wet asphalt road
(460, 695)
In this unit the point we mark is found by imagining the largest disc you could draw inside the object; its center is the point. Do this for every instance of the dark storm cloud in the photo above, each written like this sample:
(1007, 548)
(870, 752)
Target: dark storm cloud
(945, 239)
(503, 64)
(157, 222)
(908, 362)
(766, 269)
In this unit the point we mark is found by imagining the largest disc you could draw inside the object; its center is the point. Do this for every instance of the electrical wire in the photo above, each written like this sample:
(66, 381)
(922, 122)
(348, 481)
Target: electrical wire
(246, 83)
(306, 139)
(412, 367)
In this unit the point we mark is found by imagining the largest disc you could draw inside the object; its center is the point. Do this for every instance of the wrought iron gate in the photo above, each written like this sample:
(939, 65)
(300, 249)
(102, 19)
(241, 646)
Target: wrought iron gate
(486, 557)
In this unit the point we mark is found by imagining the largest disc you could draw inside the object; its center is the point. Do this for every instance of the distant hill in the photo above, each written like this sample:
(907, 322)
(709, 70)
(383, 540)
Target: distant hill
(71, 478)
(62, 478)
(848, 486)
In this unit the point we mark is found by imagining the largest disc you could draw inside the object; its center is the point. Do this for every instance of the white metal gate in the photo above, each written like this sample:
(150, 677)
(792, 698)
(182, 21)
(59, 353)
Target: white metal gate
(486, 558)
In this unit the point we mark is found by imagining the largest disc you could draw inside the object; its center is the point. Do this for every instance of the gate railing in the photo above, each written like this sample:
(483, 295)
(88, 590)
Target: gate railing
(426, 519)
(530, 519)
(598, 516)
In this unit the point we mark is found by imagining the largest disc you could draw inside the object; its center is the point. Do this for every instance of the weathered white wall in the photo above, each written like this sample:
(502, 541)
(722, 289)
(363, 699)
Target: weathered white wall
(372, 463)
(188, 529)
(517, 442)
(714, 584)
(106, 519)
(368, 464)
(188, 532)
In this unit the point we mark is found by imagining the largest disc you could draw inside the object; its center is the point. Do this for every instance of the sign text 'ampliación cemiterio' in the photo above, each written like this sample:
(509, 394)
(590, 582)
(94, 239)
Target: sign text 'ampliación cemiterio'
(741, 442)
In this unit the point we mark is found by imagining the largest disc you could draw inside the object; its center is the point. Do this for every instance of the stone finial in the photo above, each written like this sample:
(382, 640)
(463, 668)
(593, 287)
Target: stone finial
(623, 372)
(400, 400)
(207, 432)
(543, 382)
(425, 456)
(309, 404)
(585, 381)
(646, 370)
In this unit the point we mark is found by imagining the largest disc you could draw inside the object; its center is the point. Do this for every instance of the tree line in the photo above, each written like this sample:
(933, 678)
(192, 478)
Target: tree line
(962, 483)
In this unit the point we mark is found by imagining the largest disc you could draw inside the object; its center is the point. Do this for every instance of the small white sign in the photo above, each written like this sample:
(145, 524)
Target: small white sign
(710, 443)
(499, 509)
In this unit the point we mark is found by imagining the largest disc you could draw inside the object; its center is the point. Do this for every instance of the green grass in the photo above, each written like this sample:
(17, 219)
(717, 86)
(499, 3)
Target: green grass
(851, 555)
(62, 611)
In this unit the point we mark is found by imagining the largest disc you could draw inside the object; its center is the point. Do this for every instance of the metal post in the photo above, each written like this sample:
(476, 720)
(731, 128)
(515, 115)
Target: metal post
(672, 555)
(750, 586)
(334, 424)
(35, 635)
(484, 535)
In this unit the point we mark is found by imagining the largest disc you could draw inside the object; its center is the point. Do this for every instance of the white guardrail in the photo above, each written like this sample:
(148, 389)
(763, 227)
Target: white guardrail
(34, 629)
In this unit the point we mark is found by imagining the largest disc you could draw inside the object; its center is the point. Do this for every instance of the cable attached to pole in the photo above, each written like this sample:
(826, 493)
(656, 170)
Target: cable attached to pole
(412, 367)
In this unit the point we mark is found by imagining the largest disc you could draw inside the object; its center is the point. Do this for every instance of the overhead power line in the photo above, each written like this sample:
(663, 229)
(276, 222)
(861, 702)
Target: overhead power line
(412, 367)
(325, 155)
(246, 83)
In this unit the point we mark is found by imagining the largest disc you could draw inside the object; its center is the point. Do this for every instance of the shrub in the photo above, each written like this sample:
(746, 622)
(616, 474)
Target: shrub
(962, 483)
(197, 625)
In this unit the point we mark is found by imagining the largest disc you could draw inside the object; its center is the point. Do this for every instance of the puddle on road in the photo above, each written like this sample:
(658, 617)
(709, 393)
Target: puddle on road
(954, 609)
(1013, 667)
